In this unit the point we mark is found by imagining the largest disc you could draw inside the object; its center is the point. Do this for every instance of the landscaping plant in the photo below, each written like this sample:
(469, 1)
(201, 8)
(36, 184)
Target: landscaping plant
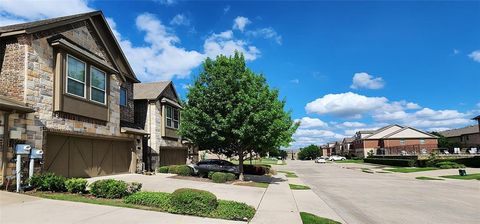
(76, 185)
(133, 187)
(219, 177)
(233, 210)
(192, 202)
(153, 199)
(163, 169)
(109, 188)
(48, 182)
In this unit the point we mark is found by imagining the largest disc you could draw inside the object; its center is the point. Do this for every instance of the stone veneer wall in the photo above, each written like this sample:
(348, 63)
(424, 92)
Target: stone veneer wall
(38, 89)
(12, 72)
(127, 112)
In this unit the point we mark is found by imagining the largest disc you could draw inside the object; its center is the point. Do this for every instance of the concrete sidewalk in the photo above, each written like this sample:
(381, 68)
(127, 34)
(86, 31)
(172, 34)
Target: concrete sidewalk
(278, 204)
(18, 208)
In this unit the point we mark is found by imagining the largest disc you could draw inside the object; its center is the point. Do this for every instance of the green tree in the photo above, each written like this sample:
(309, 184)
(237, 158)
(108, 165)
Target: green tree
(232, 111)
(444, 142)
(309, 152)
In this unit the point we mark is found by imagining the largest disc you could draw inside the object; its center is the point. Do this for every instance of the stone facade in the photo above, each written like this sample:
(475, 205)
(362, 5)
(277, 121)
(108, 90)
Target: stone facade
(127, 112)
(27, 73)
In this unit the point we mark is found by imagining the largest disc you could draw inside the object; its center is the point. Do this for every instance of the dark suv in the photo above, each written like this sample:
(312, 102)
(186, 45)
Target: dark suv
(203, 167)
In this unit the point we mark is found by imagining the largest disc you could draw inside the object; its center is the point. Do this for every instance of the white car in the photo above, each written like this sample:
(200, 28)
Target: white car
(336, 158)
(320, 160)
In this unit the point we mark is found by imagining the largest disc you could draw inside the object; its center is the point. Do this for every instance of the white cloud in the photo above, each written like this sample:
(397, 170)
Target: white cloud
(180, 20)
(225, 43)
(412, 106)
(475, 55)
(345, 104)
(17, 11)
(295, 81)
(266, 33)
(352, 124)
(304, 137)
(366, 81)
(166, 2)
(308, 122)
(240, 22)
(456, 51)
(226, 9)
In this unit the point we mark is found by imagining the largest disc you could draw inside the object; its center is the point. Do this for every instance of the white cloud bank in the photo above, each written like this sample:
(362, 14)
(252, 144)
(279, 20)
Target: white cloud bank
(363, 80)
(475, 55)
(240, 23)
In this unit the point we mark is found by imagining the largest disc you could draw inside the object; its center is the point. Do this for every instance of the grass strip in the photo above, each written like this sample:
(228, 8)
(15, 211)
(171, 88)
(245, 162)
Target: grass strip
(298, 187)
(308, 218)
(427, 178)
(288, 174)
(350, 161)
(253, 184)
(410, 169)
(473, 176)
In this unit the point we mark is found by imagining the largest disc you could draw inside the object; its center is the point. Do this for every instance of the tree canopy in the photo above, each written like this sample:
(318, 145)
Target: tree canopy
(232, 111)
(309, 152)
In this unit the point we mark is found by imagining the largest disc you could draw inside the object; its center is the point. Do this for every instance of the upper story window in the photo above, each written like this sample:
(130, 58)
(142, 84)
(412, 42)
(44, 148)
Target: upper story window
(76, 73)
(422, 141)
(123, 96)
(402, 142)
(173, 117)
(98, 85)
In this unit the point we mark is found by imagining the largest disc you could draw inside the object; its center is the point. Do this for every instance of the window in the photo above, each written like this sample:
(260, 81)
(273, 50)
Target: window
(123, 96)
(422, 141)
(76, 72)
(98, 85)
(402, 142)
(173, 117)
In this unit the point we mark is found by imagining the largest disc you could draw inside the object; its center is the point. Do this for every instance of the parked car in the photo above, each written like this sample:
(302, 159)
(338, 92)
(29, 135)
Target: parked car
(336, 158)
(320, 160)
(203, 167)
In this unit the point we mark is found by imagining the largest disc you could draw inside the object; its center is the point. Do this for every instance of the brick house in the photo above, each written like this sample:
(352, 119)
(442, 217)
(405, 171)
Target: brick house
(157, 111)
(67, 88)
(394, 140)
(469, 136)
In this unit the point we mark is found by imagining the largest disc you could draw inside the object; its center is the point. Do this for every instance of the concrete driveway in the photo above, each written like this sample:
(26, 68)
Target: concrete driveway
(162, 183)
(18, 208)
(359, 197)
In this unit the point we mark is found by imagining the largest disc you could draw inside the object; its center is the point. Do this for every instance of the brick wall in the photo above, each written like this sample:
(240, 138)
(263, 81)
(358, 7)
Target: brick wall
(12, 73)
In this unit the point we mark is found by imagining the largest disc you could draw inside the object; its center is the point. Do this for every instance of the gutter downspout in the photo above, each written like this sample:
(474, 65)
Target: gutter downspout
(6, 136)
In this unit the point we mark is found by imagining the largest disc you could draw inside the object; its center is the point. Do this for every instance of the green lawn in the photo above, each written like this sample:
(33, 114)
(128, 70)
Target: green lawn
(350, 161)
(260, 162)
(308, 218)
(473, 176)
(289, 174)
(427, 178)
(253, 184)
(299, 187)
(410, 169)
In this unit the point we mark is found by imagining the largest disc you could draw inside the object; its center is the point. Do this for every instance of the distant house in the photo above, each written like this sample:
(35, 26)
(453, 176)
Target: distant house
(347, 146)
(394, 140)
(157, 111)
(468, 136)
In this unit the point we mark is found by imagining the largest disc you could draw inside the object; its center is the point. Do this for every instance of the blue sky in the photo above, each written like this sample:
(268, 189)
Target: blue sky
(342, 66)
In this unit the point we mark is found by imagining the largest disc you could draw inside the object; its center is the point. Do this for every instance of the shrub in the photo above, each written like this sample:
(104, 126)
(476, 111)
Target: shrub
(233, 210)
(172, 169)
(76, 185)
(230, 176)
(255, 169)
(210, 174)
(134, 187)
(109, 188)
(392, 162)
(48, 182)
(192, 202)
(163, 169)
(184, 170)
(448, 165)
(154, 199)
(219, 177)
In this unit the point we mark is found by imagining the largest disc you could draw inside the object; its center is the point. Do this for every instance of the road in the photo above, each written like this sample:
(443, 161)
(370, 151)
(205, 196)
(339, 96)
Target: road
(360, 197)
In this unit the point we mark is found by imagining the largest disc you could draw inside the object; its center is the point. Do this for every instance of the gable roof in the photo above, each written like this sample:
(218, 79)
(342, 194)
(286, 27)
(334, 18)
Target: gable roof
(476, 118)
(379, 133)
(151, 90)
(96, 18)
(460, 131)
(409, 132)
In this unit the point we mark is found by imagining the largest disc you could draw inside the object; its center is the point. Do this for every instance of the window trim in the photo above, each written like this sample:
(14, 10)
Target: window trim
(172, 126)
(422, 141)
(126, 97)
(76, 80)
(105, 87)
(402, 141)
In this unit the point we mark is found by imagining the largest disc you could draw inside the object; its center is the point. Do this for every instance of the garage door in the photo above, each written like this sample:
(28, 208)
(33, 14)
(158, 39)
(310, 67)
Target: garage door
(85, 157)
(172, 155)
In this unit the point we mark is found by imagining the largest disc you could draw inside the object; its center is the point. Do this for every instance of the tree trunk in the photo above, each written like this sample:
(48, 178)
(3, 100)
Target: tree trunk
(240, 164)
(250, 157)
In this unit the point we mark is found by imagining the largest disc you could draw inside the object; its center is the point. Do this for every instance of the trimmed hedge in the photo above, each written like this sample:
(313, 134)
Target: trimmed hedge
(391, 162)
(233, 210)
(109, 188)
(162, 169)
(219, 177)
(231, 176)
(76, 185)
(448, 165)
(468, 162)
(153, 199)
(255, 169)
(192, 202)
(48, 182)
